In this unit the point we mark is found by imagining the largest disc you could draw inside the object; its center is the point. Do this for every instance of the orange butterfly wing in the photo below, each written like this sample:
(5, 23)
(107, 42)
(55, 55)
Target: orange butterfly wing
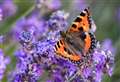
(87, 43)
(81, 23)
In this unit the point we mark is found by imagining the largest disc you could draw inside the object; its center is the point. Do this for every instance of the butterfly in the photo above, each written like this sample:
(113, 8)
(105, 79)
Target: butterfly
(79, 40)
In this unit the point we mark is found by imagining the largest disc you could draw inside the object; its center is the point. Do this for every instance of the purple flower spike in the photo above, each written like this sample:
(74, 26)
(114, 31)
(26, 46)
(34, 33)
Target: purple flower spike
(58, 20)
(37, 26)
(103, 62)
(3, 62)
(107, 45)
(110, 63)
(25, 69)
(57, 23)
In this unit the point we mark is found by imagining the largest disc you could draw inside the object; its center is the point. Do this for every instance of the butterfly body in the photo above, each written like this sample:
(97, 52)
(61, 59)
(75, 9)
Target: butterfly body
(77, 42)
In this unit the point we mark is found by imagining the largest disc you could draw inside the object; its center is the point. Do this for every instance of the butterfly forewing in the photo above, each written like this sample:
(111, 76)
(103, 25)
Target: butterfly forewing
(81, 23)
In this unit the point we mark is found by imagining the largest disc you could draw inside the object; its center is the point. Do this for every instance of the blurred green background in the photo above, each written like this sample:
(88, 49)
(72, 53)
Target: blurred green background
(105, 13)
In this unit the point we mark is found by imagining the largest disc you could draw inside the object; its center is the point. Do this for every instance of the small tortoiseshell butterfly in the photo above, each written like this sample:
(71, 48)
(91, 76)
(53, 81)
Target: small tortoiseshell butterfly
(78, 41)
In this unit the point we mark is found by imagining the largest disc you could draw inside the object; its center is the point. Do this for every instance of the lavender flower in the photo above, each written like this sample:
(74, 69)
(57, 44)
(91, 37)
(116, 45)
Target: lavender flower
(102, 62)
(50, 4)
(107, 45)
(7, 8)
(32, 24)
(25, 69)
(4, 61)
(79, 4)
(58, 20)
(56, 23)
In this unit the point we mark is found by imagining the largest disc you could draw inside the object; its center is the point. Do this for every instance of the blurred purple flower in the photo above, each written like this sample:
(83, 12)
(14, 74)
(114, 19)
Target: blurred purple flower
(107, 45)
(3, 63)
(1, 39)
(118, 14)
(54, 4)
(79, 4)
(50, 4)
(1, 14)
(7, 8)
(32, 23)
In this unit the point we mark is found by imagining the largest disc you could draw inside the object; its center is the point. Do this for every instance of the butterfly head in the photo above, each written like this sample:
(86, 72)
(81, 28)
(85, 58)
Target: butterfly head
(63, 34)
